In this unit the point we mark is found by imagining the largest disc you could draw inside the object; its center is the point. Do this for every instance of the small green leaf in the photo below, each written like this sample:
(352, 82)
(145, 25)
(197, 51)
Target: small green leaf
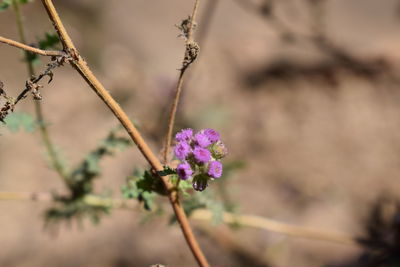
(167, 171)
(5, 4)
(144, 187)
(50, 40)
(17, 120)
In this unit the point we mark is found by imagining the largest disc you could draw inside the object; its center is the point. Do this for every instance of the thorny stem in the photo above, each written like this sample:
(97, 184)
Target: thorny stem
(80, 65)
(55, 161)
(174, 107)
(28, 48)
(205, 215)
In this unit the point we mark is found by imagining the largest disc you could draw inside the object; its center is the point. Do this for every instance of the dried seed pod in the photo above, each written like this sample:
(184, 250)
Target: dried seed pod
(184, 27)
(192, 51)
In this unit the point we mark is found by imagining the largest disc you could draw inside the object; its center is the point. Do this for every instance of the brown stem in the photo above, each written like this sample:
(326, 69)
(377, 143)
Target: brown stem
(80, 65)
(174, 107)
(171, 118)
(201, 36)
(30, 48)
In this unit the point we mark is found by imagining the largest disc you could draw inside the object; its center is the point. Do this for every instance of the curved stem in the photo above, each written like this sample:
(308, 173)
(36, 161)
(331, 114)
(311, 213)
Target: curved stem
(55, 161)
(175, 102)
(80, 65)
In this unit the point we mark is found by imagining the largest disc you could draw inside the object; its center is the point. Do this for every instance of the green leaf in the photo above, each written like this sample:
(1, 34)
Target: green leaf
(19, 120)
(167, 171)
(5, 4)
(144, 187)
(67, 209)
(80, 180)
(50, 40)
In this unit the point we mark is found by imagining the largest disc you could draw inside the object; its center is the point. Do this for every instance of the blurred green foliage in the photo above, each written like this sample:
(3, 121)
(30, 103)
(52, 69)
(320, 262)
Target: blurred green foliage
(20, 121)
(5, 4)
(80, 183)
(142, 185)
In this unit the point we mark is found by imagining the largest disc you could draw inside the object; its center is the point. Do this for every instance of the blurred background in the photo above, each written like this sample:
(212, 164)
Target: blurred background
(304, 92)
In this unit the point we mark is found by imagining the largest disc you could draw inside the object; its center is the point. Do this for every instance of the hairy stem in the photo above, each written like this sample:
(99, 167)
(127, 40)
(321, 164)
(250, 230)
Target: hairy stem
(80, 65)
(54, 159)
(178, 90)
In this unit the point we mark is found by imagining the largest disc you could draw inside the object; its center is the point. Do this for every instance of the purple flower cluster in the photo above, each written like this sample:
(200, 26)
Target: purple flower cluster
(200, 154)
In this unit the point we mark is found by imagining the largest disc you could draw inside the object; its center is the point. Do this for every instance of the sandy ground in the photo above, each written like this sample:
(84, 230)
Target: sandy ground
(316, 154)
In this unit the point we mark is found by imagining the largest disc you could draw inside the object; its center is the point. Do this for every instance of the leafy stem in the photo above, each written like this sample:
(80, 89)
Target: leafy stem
(44, 132)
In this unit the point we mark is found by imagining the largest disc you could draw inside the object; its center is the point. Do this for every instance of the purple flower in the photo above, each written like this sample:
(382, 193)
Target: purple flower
(202, 140)
(215, 169)
(212, 135)
(182, 150)
(200, 182)
(184, 171)
(184, 135)
(202, 155)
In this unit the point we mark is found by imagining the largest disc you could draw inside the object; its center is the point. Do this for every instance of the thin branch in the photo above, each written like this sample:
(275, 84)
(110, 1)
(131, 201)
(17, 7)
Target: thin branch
(80, 65)
(31, 85)
(31, 49)
(201, 37)
(191, 52)
(206, 215)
